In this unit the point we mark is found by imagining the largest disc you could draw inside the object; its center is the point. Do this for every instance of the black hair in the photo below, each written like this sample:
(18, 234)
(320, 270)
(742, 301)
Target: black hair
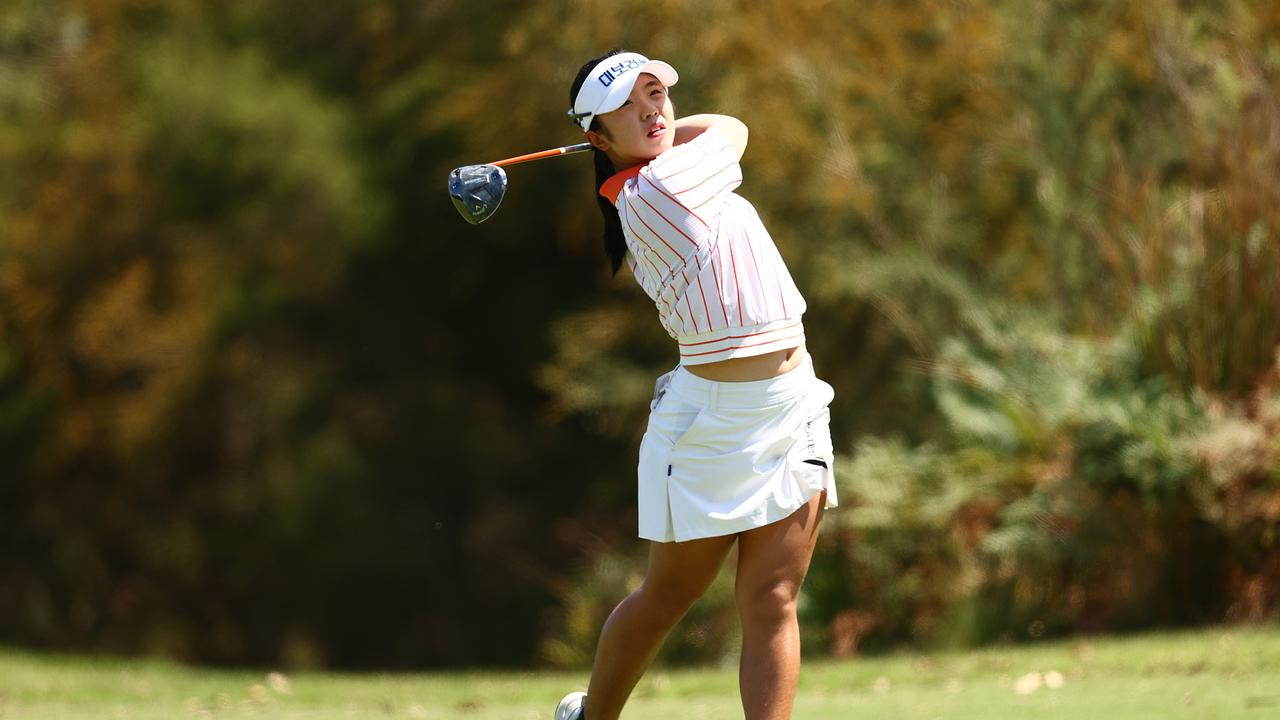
(615, 243)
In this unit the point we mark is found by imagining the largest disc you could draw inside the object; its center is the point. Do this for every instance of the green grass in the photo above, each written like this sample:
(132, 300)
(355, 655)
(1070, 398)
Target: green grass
(1218, 673)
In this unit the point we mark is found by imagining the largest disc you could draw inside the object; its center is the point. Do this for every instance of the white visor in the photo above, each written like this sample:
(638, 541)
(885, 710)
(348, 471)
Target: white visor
(609, 84)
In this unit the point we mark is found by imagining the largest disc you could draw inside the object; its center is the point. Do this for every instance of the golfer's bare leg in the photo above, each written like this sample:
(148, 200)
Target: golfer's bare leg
(678, 574)
(772, 562)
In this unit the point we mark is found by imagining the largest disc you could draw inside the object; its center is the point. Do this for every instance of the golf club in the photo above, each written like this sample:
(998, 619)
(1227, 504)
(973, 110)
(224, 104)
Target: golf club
(477, 190)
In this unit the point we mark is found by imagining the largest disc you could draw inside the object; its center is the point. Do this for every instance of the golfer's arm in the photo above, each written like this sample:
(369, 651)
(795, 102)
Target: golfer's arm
(688, 128)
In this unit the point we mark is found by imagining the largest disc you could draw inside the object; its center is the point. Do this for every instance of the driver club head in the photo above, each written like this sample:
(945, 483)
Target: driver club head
(477, 191)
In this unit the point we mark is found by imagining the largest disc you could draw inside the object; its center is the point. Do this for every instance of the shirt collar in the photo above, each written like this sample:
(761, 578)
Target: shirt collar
(613, 185)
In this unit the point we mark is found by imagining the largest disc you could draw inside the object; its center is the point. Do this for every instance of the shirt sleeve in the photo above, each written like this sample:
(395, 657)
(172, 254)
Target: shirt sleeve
(700, 173)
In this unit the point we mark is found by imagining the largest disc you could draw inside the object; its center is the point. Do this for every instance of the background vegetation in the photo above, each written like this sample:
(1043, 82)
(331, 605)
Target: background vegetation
(264, 397)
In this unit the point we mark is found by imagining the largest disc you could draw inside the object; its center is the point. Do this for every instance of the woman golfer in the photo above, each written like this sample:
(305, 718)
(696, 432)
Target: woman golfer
(737, 448)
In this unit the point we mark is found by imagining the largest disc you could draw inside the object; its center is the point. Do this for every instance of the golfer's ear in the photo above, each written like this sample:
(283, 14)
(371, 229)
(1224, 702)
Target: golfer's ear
(598, 140)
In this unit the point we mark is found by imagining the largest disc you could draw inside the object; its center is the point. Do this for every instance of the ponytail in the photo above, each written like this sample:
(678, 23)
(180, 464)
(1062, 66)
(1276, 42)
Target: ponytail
(615, 243)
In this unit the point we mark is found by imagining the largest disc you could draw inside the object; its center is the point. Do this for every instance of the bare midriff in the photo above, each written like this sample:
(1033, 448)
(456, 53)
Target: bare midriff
(755, 367)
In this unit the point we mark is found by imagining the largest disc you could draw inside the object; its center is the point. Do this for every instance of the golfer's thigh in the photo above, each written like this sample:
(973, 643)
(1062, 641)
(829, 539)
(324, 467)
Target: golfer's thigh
(683, 571)
(773, 559)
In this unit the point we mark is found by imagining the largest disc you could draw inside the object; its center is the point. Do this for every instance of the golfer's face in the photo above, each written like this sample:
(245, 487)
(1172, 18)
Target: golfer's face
(644, 126)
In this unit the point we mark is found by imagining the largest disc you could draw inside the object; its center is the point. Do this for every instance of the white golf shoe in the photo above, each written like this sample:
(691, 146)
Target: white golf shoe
(570, 708)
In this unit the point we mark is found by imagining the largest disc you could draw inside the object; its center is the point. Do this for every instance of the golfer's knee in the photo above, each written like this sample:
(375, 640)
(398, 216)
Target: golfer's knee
(668, 603)
(767, 604)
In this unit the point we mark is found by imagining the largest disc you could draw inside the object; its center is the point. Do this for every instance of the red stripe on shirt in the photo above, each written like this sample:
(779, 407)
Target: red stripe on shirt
(716, 194)
(659, 165)
(656, 234)
(668, 221)
(748, 335)
(677, 202)
(735, 347)
(719, 291)
(705, 179)
(723, 146)
(777, 278)
(650, 254)
(647, 245)
(698, 276)
(684, 273)
(759, 276)
(737, 283)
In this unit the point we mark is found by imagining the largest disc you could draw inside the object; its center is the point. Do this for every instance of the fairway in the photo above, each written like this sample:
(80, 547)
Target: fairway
(1214, 673)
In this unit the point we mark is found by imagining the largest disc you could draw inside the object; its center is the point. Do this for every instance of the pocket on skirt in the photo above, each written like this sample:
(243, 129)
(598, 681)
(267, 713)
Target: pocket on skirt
(669, 424)
(671, 419)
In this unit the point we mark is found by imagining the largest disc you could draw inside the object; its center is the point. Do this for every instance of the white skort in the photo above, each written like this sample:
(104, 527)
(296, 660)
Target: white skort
(719, 458)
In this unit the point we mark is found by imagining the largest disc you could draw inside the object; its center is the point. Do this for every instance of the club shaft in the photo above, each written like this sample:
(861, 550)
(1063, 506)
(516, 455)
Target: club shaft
(566, 150)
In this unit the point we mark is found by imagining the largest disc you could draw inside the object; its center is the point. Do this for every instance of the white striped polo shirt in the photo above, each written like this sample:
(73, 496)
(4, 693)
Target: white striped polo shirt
(703, 256)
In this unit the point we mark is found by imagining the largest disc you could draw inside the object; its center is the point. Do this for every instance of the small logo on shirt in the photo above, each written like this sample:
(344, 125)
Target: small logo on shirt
(607, 77)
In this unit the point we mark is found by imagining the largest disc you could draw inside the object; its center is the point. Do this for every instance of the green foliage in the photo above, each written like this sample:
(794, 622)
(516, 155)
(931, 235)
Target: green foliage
(1064, 475)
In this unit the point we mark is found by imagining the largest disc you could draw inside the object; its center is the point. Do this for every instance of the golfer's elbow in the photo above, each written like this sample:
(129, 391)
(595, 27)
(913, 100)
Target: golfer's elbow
(735, 130)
